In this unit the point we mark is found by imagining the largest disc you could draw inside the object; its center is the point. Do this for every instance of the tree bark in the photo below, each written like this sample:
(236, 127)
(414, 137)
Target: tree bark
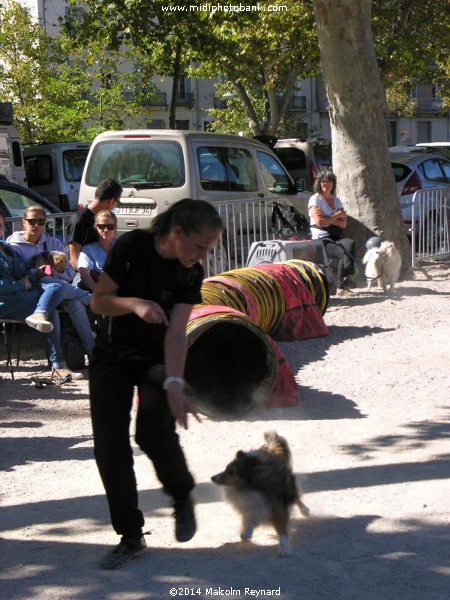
(359, 122)
(175, 80)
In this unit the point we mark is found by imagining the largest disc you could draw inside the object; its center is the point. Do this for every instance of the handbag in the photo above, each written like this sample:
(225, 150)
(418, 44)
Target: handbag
(291, 223)
(334, 232)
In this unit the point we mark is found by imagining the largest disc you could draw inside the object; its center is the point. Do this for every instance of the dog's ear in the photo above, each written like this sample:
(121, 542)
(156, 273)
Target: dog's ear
(240, 454)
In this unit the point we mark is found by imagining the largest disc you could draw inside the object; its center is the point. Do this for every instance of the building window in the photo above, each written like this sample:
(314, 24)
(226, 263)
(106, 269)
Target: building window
(182, 124)
(423, 131)
(156, 124)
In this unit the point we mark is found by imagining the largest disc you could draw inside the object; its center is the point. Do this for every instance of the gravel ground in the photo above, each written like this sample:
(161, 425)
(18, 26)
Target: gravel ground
(370, 444)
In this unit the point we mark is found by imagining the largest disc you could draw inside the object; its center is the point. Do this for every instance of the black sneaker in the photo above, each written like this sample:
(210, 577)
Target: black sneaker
(119, 556)
(185, 524)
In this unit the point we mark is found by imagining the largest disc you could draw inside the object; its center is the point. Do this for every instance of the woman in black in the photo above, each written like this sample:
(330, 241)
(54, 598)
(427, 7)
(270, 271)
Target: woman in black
(150, 281)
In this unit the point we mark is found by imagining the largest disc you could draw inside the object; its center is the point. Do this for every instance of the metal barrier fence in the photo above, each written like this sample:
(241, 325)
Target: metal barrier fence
(249, 221)
(246, 221)
(430, 223)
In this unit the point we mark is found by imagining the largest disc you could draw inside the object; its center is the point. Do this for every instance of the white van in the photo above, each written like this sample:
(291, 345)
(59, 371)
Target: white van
(11, 159)
(157, 168)
(54, 171)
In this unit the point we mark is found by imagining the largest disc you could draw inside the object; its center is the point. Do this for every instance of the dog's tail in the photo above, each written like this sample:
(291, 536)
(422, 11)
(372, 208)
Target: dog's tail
(275, 444)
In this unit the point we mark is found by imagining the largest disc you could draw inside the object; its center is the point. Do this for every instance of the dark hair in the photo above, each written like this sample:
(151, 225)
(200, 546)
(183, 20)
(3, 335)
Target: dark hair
(329, 175)
(191, 215)
(108, 189)
(2, 214)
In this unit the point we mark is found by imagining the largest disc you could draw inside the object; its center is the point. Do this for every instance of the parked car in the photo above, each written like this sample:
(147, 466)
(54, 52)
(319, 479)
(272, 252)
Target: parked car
(416, 170)
(304, 159)
(15, 198)
(440, 147)
(55, 170)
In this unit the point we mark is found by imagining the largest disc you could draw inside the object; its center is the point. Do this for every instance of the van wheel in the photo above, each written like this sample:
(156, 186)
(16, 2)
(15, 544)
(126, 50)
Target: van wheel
(217, 261)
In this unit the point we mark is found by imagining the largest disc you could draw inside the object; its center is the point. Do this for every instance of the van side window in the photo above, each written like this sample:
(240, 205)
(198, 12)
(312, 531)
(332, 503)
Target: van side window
(213, 173)
(275, 177)
(73, 163)
(38, 169)
(224, 169)
(144, 164)
(293, 159)
(242, 172)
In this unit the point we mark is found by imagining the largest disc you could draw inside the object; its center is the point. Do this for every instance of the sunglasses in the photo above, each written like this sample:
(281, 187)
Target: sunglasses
(36, 221)
(103, 226)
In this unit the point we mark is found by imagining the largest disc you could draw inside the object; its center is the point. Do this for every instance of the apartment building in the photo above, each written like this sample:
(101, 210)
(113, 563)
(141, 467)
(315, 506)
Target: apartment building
(195, 96)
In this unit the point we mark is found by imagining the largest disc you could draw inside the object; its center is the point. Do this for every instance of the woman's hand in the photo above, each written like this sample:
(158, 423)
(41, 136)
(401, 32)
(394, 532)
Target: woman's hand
(180, 405)
(150, 312)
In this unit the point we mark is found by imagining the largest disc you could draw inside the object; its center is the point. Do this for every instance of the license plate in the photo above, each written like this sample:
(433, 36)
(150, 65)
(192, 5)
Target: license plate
(134, 210)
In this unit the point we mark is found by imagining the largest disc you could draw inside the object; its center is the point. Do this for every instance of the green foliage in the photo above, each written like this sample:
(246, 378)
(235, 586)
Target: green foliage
(411, 39)
(261, 55)
(98, 74)
(62, 92)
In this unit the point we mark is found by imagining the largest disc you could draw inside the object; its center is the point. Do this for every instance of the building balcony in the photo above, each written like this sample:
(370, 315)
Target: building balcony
(220, 102)
(429, 104)
(297, 103)
(186, 99)
(156, 99)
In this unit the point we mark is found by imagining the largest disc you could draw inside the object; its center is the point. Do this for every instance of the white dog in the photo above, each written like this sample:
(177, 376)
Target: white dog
(383, 264)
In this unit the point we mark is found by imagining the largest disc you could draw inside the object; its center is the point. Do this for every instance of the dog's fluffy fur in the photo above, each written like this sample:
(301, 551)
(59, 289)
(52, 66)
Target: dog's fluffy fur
(261, 486)
(55, 258)
(383, 264)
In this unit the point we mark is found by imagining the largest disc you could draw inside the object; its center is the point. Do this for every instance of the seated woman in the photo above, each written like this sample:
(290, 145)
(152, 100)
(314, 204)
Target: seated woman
(92, 256)
(327, 220)
(24, 299)
(32, 242)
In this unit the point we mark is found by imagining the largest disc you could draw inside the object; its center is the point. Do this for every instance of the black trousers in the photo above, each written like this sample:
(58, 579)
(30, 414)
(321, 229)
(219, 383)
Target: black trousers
(111, 385)
(343, 251)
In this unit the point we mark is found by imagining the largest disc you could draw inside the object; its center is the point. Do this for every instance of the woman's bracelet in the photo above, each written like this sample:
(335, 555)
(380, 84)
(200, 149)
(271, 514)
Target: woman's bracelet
(170, 380)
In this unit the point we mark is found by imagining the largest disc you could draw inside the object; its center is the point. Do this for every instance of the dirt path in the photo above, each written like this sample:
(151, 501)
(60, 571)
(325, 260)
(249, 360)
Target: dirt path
(370, 443)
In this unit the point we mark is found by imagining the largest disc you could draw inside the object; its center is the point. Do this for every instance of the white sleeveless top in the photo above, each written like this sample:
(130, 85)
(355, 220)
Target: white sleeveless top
(319, 201)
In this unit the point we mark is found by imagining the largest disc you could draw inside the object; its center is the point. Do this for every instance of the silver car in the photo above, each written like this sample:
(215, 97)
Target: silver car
(416, 170)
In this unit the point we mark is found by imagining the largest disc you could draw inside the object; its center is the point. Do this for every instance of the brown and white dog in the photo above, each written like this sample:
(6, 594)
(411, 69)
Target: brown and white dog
(261, 486)
(383, 264)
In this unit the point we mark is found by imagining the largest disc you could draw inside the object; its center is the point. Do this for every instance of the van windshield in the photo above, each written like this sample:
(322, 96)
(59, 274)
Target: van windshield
(142, 164)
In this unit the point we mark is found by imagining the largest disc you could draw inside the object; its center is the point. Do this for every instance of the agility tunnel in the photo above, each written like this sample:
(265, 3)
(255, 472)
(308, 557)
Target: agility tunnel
(286, 300)
(233, 362)
(232, 366)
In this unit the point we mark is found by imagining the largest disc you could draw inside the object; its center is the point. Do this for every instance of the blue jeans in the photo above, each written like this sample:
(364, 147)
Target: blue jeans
(74, 303)
(45, 303)
(70, 292)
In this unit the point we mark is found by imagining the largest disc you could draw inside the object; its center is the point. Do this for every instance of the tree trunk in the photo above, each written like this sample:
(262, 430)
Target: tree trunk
(359, 122)
(175, 80)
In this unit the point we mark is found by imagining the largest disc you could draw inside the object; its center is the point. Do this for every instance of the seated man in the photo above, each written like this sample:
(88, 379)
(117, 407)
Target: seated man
(23, 298)
(33, 241)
